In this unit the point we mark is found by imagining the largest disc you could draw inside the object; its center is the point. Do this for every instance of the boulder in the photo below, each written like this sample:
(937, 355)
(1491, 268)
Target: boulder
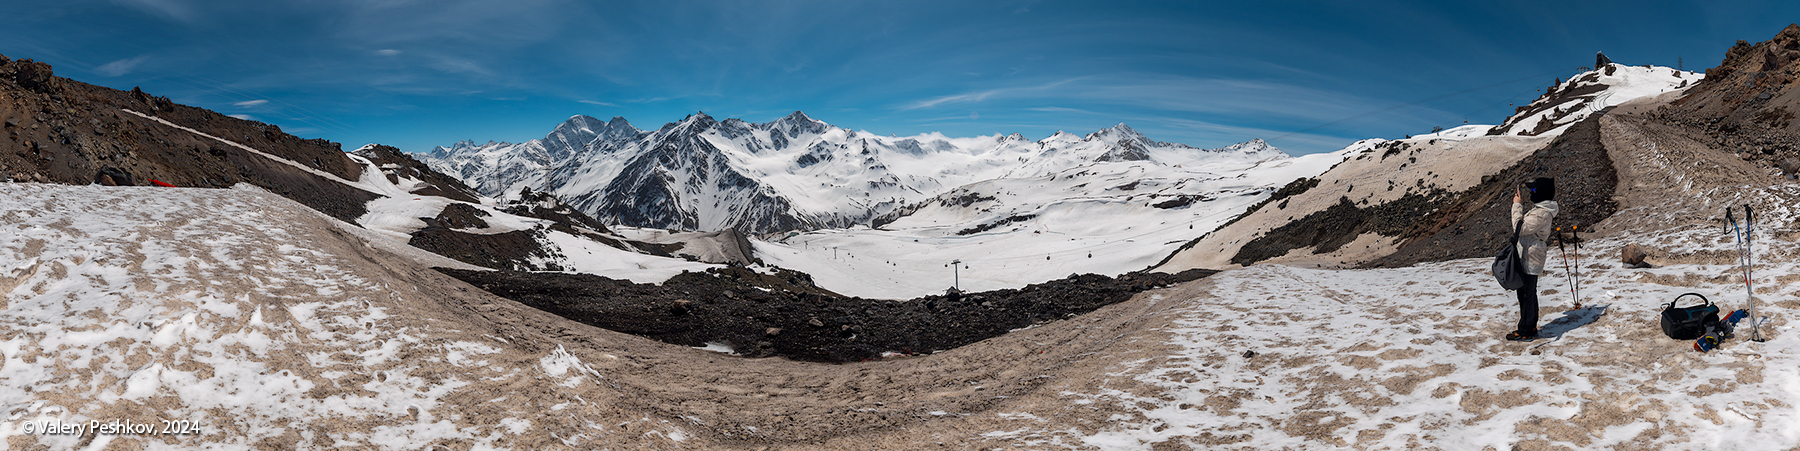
(34, 75)
(111, 176)
(1633, 256)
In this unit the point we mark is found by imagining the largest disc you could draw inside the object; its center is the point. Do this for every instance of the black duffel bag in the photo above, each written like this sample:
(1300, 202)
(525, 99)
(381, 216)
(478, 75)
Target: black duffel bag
(1687, 323)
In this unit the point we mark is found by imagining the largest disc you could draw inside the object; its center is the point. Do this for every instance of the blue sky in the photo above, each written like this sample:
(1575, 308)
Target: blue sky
(1307, 76)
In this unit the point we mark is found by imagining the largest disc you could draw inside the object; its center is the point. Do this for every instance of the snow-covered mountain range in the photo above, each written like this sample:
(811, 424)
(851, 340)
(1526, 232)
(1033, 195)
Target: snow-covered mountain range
(793, 173)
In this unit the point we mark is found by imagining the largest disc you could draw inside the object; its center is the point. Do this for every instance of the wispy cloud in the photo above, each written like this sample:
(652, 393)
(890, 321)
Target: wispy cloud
(173, 9)
(1200, 131)
(250, 103)
(1241, 100)
(964, 118)
(120, 67)
(387, 52)
(450, 64)
(244, 117)
(1058, 109)
(1012, 92)
(592, 102)
(959, 98)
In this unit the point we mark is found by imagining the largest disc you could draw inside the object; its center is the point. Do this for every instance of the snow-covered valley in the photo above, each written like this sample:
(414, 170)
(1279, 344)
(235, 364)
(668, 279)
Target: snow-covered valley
(1101, 218)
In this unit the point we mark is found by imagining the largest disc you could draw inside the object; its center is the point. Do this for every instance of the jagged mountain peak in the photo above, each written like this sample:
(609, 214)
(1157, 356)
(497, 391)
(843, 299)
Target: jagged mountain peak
(794, 125)
(1122, 143)
(791, 173)
(1118, 134)
(581, 122)
(798, 117)
(698, 122)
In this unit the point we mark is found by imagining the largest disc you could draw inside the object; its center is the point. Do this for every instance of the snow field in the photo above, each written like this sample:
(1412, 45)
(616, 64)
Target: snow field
(583, 255)
(1098, 218)
(1413, 357)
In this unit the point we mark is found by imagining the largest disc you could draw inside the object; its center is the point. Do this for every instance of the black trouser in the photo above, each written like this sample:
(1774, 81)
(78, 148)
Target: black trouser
(1528, 308)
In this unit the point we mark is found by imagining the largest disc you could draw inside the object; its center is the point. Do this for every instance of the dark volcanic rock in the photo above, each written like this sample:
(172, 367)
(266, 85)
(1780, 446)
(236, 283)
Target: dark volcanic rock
(519, 250)
(57, 130)
(33, 75)
(762, 315)
(1748, 103)
(460, 216)
(542, 205)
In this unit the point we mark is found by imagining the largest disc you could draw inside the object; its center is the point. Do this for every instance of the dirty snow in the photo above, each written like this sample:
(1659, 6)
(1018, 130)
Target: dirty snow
(1413, 357)
(237, 310)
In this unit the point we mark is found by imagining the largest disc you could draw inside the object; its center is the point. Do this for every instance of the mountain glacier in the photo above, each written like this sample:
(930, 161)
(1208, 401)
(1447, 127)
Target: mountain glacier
(793, 173)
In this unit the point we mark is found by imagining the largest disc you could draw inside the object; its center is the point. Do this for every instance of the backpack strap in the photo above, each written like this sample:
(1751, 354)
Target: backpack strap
(1521, 224)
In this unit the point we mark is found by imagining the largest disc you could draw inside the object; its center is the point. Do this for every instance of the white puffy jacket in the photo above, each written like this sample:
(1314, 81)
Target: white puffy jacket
(1534, 235)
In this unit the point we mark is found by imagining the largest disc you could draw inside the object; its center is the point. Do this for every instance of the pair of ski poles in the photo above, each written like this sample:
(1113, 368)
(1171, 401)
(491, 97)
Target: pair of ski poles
(1573, 272)
(1742, 235)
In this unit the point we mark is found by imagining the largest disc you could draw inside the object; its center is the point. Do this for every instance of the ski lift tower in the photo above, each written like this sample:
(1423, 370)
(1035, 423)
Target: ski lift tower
(955, 267)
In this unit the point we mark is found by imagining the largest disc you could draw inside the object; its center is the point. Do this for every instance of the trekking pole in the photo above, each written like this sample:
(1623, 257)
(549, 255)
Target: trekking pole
(1570, 277)
(1575, 232)
(1749, 260)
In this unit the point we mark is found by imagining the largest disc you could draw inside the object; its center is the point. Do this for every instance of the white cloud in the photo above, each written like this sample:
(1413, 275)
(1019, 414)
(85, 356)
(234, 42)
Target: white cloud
(251, 103)
(173, 9)
(455, 65)
(387, 52)
(959, 98)
(1263, 100)
(591, 102)
(1021, 91)
(120, 67)
(244, 117)
(1058, 109)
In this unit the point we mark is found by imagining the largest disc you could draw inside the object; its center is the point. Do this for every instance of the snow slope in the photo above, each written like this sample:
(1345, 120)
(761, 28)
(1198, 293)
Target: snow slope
(399, 213)
(253, 318)
(1454, 160)
(1589, 92)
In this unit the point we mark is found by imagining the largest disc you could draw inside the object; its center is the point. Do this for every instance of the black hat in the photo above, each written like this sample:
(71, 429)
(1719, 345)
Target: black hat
(1542, 189)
